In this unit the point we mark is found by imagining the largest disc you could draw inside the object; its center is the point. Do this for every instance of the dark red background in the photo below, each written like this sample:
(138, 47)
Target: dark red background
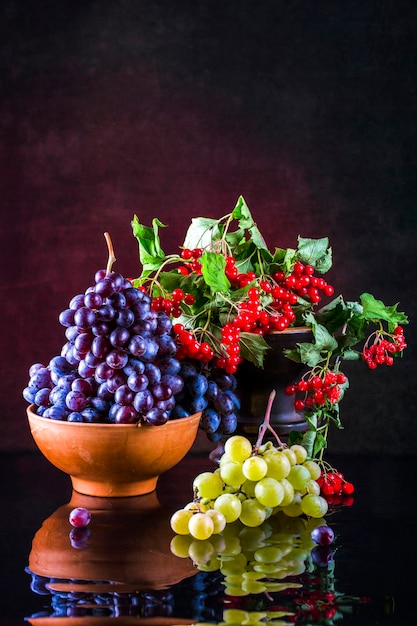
(172, 110)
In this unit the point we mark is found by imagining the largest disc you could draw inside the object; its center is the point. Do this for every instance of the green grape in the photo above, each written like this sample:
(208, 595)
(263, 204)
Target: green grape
(248, 488)
(219, 543)
(254, 468)
(289, 492)
(313, 487)
(180, 545)
(253, 513)
(237, 616)
(200, 552)
(314, 469)
(252, 538)
(234, 565)
(230, 505)
(278, 464)
(200, 526)
(235, 592)
(231, 473)
(294, 509)
(300, 452)
(252, 575)
(269, 492)
(208, 485)
(196, 507)
(219, 520)
(238, 448)
(212, 565)
(271, 570)
(179, 521)
(314, 506)
(292, 457)
(299, 476)
(268, 554)
(253, 586)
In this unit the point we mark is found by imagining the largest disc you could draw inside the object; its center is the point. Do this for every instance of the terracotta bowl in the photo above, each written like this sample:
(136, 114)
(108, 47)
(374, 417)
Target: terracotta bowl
(113, 460)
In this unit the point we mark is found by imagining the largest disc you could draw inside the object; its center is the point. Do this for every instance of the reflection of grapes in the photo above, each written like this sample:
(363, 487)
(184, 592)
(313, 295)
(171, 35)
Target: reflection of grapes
(258, 559)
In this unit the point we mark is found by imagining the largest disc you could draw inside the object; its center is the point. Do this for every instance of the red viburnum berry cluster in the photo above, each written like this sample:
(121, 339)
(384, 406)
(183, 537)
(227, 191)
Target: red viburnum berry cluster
(252, 315)
(335, 488)
(317, 389)
(381, 351)
(172, 305)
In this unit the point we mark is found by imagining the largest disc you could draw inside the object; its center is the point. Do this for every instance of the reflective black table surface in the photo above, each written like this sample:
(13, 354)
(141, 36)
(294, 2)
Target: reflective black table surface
(124, 571)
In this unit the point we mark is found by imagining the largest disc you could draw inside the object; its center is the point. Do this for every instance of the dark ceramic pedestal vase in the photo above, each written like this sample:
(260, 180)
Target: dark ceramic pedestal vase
(255, 385)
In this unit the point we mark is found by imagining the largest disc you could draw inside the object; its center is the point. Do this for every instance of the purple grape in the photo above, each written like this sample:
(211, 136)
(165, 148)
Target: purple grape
(322, 555)
(79, 517)
(83, 342)
(156, 416)
(99, 275)
(100, 346)
(117, 358)
(118, 378)
(76, 401)
(105, 287)
(153, 373)
(79, 537)
(93, 300)
(66, 318)
(83, 385)
(105, 313)
(116, 300)
(322, 535)
(42, 397)
(74, 416)
(117, 279)
(125, 318)
(210, 420)
(100, 328)
(137, 345)
(173, 381)
(123, 395)
(77, 302)
(137, 382)
(161, 391)
(143, 401)
(84, 317)
(119, 337)
(126, 414)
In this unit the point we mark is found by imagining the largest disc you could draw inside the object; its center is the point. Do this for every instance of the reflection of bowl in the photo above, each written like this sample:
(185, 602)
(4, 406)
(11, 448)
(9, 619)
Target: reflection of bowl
(113, 459)
(127, 548)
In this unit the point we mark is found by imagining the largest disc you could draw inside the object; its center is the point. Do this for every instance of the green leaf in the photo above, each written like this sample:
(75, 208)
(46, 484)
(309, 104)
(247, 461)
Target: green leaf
(213, 267)
(253, 348)
(375, 310)
(242, 213)
(315, 252)
(201, 232)
(151, 254)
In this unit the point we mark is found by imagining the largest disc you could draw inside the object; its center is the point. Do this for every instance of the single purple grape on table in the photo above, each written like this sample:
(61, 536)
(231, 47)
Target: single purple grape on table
(322, 535)
(79, 517)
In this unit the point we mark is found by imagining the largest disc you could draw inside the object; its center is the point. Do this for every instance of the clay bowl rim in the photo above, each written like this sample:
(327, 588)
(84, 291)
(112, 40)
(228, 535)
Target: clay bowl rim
(105, 425)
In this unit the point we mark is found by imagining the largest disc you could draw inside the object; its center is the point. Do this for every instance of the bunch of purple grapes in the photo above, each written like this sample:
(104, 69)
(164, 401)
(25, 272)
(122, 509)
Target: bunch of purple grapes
(112, 366)
(118, 365)
(211, 392)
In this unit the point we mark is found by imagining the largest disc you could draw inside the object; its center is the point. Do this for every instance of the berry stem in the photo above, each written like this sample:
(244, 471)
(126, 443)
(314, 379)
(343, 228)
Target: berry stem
(112, 257)
(266, 425)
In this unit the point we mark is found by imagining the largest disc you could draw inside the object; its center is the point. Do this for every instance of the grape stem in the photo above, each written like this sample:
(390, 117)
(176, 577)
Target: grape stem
(112, 257)
(266, 425)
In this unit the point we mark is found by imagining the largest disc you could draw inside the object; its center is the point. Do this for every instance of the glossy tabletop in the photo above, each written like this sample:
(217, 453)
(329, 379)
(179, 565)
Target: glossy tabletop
(370, 578)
